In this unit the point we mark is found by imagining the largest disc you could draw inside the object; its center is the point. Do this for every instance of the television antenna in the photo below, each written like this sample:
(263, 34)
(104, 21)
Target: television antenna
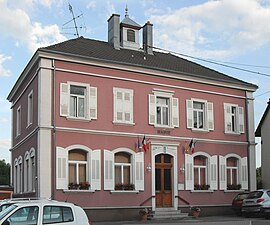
(74, 18)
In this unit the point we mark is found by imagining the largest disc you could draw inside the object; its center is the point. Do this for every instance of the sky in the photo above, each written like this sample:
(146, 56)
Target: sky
(231, 32)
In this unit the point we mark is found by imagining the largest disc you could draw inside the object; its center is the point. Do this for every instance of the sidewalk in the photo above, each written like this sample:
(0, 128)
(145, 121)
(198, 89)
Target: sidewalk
(213, 220)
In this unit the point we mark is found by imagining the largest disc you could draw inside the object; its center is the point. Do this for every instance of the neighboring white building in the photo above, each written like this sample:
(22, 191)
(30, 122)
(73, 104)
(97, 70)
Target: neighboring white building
(263, 132)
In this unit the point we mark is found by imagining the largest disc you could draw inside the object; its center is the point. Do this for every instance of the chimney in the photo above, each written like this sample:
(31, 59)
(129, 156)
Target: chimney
(114, 31)
(148, 38)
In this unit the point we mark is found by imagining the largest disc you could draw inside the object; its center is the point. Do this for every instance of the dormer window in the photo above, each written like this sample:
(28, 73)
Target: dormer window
(130, 35)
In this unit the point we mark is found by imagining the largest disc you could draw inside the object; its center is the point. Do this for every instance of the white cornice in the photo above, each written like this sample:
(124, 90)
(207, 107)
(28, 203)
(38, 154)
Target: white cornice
(138, 69)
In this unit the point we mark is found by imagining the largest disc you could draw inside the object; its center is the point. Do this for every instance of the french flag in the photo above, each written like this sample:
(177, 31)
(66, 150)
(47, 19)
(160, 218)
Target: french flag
(192, 146)
(145, 144)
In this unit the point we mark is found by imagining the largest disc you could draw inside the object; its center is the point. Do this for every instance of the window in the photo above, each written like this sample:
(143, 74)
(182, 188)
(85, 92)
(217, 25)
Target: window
(122, 166)
(201, 171)
(78, 166)
(131, 35)
(30, 109)
(78, 101)
(18, 176)
(123, 105)
(233, 173)
(123, 170)
(57, 214)
(29, 171)
(234, 118)
(25, 215)
(18, 121)
(200, 114)
(163, 109)
(77, 163)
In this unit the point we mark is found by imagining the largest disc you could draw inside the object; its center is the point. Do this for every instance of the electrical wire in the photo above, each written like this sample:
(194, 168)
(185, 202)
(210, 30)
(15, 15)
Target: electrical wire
(215, 62)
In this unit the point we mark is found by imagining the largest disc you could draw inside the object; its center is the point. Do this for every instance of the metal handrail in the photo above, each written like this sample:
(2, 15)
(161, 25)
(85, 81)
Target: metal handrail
(147, 200)
(185, 201)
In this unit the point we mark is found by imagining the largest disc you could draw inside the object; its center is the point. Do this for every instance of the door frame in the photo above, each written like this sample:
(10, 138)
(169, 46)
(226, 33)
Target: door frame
(170, 149)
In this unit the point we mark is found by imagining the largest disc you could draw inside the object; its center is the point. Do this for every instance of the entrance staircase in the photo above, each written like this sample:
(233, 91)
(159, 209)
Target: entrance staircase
(167, 213)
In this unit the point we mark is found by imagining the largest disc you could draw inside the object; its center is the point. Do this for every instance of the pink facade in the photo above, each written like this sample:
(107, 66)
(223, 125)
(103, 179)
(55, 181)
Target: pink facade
(90, 116)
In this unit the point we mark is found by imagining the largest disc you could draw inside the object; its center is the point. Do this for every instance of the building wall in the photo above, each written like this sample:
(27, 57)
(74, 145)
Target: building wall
(265, 151)
(104, 134)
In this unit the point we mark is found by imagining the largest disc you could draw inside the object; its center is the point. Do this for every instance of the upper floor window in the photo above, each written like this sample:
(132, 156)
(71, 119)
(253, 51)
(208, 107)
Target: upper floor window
(131, 35)
(18, 121)
(200, 114)
(77, 106)
(30, 109)
(163, 109)
(78, 100)
(123, 105)
(233, 118)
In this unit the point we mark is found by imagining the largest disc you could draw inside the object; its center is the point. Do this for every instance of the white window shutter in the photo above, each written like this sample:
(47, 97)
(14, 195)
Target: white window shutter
(118, 106)
(139, 171)
(152, 109)
(210, 115)
(61, 168)
(108, 170)
(189, 109)
(64, 99)
(93, 102)
(128, 106)
(213, 173)
(189, 171)
(175, 112)
(95, 170)
(227, 117)
(222, 173)
(241, 120)
(244, 173)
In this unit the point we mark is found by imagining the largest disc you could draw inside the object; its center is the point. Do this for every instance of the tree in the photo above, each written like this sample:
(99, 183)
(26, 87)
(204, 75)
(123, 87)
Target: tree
(259, 177)
(4, 173)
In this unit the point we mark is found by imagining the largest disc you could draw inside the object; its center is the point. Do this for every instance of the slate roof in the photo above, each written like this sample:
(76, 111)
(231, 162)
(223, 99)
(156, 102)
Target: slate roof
(103, 51)
(130, 22)
(258, 130)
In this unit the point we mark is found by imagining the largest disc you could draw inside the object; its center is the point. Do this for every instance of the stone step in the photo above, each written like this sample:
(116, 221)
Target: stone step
(161, 214)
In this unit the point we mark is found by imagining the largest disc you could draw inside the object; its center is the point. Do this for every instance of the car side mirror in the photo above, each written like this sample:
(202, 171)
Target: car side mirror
(6, 223)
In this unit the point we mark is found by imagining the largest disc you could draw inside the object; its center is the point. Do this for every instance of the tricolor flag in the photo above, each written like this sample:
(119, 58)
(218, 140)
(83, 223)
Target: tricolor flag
(192, 146)
(138, 144)
(145, 144)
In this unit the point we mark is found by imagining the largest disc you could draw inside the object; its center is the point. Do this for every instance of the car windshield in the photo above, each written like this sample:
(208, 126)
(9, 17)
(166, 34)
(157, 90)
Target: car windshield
(255, 194)
(4, 206)
(7, 211)
(241, 196)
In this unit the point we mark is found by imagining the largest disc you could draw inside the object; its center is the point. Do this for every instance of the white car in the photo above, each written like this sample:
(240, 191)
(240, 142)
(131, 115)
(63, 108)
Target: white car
(38, 212)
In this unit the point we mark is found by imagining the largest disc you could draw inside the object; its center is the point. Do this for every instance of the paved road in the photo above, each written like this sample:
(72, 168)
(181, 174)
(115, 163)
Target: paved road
(201, 221)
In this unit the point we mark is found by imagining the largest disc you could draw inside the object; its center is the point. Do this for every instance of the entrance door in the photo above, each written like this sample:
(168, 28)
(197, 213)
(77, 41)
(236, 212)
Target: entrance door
(163, 176)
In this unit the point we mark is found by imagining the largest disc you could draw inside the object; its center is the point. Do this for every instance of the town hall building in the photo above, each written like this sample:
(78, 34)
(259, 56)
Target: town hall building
(117, 127)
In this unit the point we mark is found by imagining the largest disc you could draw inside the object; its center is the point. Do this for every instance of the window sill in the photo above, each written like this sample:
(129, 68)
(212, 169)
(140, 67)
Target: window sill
(199, 130)
(202, 191)
(78, 191)
(123, 123)
(125, 192)
(232, 133)
(78, 119)
(232, 191)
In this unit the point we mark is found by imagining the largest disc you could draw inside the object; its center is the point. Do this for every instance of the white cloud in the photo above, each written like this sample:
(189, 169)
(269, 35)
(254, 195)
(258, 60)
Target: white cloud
(4, 121)
(4, 72)
(215, 29)
(20, 27)
(110, 9)
(5, 145)
(91, 5)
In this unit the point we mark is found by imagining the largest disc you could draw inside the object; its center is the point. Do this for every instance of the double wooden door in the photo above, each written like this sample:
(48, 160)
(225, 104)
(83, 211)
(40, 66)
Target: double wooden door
(163, 180)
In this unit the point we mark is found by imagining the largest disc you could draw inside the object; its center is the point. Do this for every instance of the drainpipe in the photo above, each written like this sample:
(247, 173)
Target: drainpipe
(53, 155)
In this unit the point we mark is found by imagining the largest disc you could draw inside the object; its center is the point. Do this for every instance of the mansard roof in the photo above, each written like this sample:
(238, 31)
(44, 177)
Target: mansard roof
(102, 51)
